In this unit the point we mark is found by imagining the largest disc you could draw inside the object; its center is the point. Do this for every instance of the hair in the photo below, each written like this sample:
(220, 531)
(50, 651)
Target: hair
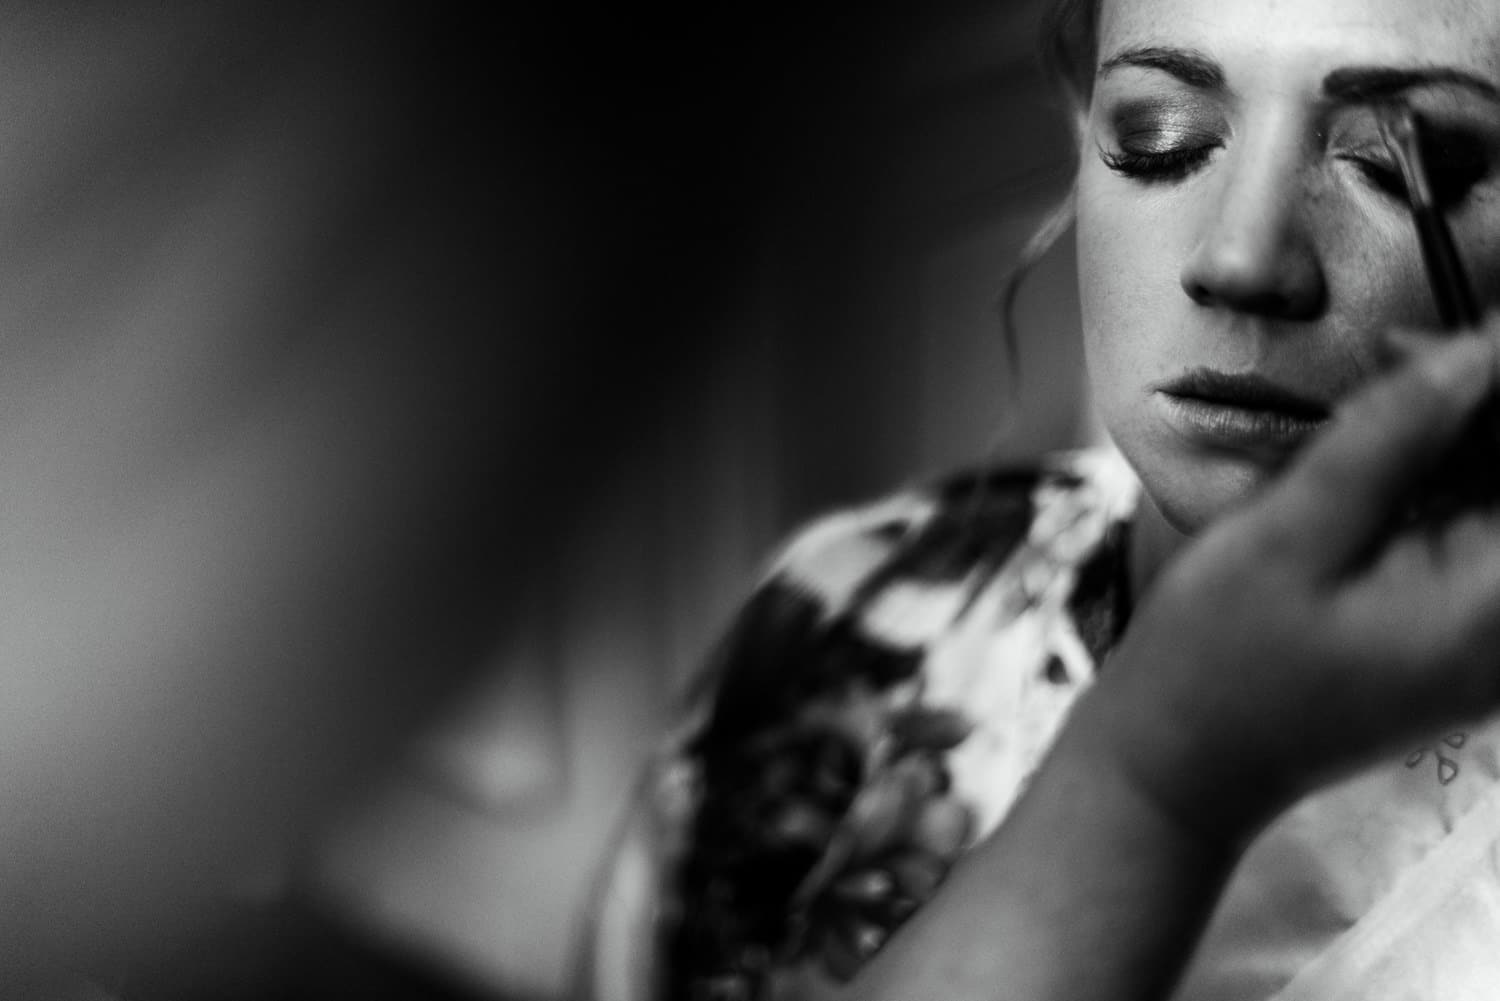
(1069, 49)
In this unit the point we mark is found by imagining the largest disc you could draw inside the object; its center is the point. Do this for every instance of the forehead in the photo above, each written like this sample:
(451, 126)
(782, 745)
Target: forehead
(1315, 34)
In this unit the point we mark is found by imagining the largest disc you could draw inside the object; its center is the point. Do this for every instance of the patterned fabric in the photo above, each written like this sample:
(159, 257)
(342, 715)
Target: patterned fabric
(876, 708)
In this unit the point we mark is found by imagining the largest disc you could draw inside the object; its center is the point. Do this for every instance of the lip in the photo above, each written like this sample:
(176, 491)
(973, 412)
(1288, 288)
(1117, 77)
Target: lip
(1240, 412)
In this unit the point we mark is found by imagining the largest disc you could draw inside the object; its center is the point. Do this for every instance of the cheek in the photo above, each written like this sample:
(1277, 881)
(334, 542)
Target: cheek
(1128, 263)
(1372, 266)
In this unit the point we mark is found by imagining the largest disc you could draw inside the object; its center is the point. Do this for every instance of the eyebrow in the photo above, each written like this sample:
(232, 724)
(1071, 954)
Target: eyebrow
(1347, 85)
(1363, 84)
(1192, 68)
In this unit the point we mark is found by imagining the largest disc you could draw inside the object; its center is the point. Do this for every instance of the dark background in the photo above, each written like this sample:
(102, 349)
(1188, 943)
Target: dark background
(395, 403)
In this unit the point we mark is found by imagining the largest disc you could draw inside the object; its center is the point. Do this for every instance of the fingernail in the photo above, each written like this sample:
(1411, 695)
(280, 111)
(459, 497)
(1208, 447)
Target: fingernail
(1399, 345)
(1403, 341)
(1466, 359)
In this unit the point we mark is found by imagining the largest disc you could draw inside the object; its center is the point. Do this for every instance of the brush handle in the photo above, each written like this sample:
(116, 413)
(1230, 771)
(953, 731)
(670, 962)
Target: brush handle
(1445, 271)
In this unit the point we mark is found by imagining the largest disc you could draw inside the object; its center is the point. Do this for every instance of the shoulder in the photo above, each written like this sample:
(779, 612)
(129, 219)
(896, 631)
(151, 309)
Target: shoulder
(858, 600)
(939, 530)
(859, 594)
(824, 804)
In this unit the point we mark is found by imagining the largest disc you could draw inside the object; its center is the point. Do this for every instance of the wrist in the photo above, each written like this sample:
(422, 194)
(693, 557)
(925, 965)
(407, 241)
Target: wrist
(1168, 762)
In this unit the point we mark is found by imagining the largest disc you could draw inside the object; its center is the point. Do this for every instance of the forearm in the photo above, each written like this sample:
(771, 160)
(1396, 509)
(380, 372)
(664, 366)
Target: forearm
(1089, 890)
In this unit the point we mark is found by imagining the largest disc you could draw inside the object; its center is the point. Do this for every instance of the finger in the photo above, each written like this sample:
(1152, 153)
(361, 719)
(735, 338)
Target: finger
(1437, 604)
(1469, 550)
(1344, 490)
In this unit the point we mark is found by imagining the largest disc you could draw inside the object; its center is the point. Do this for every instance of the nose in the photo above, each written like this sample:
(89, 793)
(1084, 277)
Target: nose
(1256, 251)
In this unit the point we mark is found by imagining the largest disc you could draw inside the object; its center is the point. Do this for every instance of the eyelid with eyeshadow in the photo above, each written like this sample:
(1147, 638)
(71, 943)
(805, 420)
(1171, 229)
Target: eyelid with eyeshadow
(1166, 140)
(1163, 118)
(1161, 138)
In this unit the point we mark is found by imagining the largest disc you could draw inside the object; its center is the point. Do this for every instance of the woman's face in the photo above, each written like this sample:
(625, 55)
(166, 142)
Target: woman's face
(1242, 238)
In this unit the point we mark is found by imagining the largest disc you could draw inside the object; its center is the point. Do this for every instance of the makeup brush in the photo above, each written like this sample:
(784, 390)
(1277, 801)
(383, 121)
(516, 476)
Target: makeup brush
(1472, 473)
(1401, 129)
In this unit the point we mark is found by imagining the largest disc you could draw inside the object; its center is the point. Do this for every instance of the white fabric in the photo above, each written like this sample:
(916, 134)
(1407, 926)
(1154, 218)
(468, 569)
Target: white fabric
(1382, 887)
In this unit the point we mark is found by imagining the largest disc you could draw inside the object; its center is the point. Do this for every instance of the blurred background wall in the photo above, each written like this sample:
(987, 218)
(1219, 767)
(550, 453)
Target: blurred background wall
(822, 208)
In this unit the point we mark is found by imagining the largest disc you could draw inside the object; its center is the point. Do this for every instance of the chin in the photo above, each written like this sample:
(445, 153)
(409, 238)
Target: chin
(1193, 492)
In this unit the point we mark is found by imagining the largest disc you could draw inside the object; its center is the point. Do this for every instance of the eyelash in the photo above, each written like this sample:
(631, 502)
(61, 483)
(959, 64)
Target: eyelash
(1171, 165)
(1451, 184)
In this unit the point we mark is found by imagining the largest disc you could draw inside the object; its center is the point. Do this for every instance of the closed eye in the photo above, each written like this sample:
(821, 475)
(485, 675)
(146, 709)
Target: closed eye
(1165, 165)
(1451, 180)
